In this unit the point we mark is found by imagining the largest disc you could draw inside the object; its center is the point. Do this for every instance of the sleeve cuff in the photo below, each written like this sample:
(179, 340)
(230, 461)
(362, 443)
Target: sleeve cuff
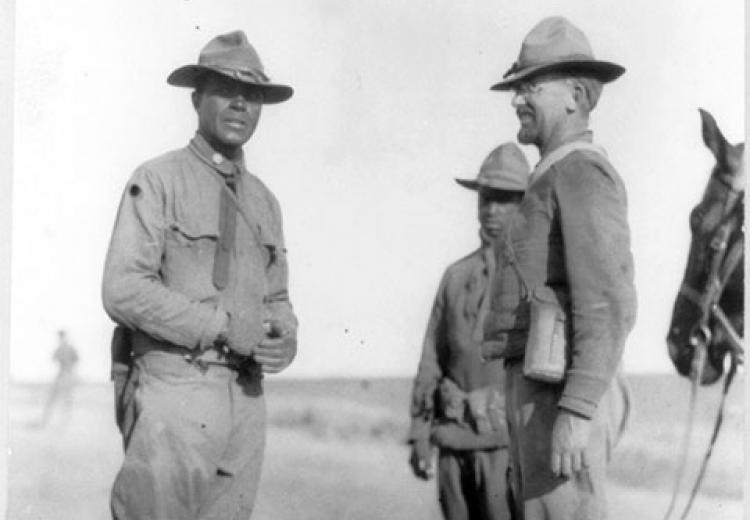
(283, 312)
(582, 392)
(219, 324)
(420, 429)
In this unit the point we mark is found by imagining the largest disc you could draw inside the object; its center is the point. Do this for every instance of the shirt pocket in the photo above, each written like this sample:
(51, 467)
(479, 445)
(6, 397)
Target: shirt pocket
(189, 258)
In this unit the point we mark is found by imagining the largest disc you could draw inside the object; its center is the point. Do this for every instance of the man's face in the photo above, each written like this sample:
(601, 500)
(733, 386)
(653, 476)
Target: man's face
(496, 210)
(541, 106)
(228, 111)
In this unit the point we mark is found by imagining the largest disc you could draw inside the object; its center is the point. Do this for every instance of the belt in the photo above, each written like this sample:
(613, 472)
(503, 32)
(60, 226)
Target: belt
(219, 356)
(505, 344)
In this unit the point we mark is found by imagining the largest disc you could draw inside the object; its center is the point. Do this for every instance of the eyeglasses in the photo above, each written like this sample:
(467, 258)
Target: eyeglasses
(526, 88)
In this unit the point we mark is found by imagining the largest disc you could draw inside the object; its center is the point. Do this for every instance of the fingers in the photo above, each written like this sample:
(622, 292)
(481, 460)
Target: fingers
(556, 463)
(566, 464)
(417, 465)
(584, 460)
(273, 354)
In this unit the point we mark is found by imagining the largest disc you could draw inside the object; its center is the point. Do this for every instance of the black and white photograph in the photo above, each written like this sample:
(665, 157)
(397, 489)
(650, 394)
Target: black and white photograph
(319, 259)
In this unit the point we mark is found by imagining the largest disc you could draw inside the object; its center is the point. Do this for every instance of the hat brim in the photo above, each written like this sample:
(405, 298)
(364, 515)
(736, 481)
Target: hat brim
(473, 184)
(189, 75)
(604, 71)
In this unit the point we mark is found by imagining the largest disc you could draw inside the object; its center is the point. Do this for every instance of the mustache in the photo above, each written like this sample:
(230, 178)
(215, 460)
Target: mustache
(524, 111)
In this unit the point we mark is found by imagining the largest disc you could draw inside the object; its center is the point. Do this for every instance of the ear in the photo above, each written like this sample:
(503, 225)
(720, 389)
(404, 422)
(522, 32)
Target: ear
(575, 96)
(195, 96)
(712, 136)
(571, 98)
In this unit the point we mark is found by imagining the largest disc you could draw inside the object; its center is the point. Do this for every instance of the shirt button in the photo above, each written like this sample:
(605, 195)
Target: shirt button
(217, 158)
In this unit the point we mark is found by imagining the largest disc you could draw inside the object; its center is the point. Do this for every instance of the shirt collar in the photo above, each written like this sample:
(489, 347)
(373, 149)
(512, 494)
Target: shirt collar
(585, 135)
(214, 159)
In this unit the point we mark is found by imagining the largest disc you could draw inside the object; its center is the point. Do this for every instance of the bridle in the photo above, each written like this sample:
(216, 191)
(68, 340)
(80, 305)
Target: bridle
(723, 260)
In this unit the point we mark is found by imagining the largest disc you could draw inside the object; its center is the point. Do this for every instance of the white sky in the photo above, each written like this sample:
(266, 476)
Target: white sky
(391, 103)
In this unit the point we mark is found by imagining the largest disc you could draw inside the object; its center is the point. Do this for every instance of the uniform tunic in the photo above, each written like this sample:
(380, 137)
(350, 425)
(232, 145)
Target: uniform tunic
(572, 237)
(194, 447)
(471, 477)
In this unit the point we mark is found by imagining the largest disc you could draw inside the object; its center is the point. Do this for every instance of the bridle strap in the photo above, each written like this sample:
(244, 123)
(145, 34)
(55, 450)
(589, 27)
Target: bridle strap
(714, 436)
(699, 358)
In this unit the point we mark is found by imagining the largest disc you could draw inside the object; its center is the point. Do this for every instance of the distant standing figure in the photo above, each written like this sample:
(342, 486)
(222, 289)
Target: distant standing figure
(458, 399)
(66, 357)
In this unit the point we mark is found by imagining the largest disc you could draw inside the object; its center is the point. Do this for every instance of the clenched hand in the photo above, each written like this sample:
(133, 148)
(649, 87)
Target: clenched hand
(277, 350)
(420, 459)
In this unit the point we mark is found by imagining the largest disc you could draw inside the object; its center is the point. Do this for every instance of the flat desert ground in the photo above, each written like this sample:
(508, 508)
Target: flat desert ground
(336, 451)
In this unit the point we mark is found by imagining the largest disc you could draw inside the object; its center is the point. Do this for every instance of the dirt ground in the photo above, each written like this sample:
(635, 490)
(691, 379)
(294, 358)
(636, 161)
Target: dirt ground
(350, 467)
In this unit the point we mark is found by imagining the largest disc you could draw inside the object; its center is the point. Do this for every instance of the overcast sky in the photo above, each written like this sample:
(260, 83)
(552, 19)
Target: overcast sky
(391, 103)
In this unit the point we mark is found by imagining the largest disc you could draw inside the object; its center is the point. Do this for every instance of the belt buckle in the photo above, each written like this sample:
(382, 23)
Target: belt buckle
(199, 363)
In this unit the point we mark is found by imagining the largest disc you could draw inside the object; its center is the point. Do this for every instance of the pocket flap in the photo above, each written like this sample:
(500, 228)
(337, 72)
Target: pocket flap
(194, 231)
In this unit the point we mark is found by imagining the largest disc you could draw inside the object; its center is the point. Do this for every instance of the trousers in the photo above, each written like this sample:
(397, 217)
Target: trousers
(531, 408)
(472, 484)
(194, 441)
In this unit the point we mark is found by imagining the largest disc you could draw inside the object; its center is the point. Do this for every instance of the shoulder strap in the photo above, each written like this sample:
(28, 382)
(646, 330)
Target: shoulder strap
(510, 255)
(562, 152)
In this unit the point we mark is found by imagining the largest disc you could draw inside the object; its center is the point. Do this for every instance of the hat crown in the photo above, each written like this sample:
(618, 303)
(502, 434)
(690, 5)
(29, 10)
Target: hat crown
(505, 163)
(554, 39)
(505, 169)
(231, 51)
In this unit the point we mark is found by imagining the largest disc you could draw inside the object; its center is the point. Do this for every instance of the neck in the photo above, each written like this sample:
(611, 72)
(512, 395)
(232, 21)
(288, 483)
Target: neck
(230, 152)
(487, 238)
(565, 133)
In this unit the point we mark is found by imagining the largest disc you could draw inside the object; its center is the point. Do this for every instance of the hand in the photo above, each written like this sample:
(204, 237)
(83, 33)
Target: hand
(245, 331)
(277, 350)
(420, 459)
(570, 436)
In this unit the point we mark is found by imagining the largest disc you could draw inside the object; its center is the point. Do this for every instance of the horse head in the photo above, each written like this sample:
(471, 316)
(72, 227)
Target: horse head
(709, 307)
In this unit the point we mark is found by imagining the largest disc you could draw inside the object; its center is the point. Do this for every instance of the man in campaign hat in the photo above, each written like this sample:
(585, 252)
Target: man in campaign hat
(565, 400)
(196, 279)
(457, 399)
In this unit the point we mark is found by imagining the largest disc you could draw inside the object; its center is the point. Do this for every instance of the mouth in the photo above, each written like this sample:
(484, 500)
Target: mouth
(524, 114)
(492, 224)
(237, 124)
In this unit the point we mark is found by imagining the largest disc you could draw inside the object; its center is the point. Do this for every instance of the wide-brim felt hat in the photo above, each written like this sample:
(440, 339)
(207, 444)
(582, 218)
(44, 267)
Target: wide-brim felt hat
(231, 55)
(504, 169)
(555, 45)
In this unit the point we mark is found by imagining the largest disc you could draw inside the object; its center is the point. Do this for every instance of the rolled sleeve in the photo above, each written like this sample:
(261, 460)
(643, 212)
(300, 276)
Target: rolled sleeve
(133, 291)
(599, 268)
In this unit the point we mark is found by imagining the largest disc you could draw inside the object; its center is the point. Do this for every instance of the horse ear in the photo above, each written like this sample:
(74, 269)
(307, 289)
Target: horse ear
(712, 136)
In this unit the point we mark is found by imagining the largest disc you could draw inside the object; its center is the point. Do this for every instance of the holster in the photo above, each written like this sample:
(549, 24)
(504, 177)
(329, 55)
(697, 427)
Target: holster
(124, 378)
(121, 351)
(546, 357)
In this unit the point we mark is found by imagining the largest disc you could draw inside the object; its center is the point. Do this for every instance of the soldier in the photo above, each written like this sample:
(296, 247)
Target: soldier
(457, 400)
(196, 274)
(66, 357)
(563, 339)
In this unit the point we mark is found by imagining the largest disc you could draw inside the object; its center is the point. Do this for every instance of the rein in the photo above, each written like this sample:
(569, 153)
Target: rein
(722, 265)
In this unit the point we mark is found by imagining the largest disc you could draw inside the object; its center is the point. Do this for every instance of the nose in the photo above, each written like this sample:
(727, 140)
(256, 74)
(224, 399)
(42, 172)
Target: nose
(239, 103)
(494, 209)
(517, 100)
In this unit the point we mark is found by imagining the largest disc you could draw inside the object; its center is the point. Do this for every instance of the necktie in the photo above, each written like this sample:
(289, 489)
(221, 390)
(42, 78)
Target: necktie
(227, 228)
